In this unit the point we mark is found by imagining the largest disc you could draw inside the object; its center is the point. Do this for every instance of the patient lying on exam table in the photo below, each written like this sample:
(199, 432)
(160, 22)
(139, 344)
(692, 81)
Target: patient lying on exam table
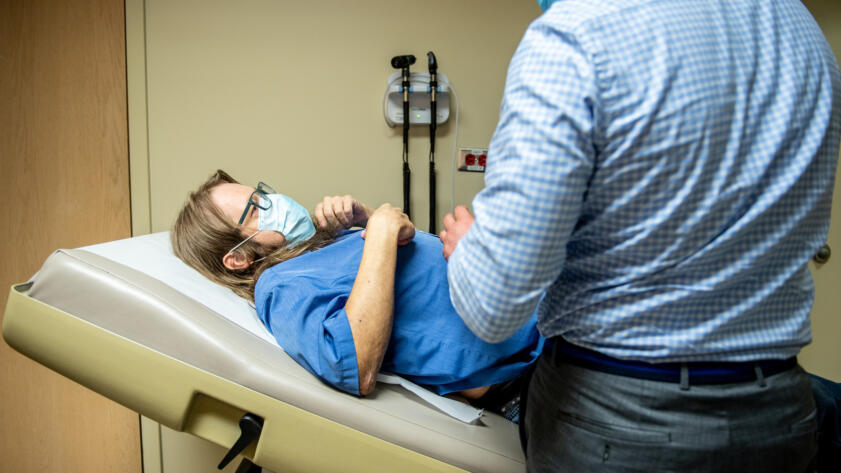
(346, 304)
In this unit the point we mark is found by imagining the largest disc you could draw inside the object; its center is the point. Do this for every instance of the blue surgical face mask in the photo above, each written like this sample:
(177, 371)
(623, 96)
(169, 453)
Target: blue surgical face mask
(545, 4)
(288, 217)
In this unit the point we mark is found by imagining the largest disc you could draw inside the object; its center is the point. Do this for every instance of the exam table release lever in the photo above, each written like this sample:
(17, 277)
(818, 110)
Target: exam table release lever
(250, 426)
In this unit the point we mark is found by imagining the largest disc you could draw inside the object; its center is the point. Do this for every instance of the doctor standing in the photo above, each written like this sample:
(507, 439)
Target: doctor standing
(661, 173)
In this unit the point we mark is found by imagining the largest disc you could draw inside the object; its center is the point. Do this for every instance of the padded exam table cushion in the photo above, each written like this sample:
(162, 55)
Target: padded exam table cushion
(156, 336)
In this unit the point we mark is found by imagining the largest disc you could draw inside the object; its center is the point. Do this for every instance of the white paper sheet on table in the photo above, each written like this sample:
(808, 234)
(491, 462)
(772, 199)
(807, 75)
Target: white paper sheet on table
(451, 407)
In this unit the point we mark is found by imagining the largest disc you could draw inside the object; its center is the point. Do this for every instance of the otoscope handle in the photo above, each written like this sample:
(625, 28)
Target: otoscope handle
(433, 90)
(433, 125)
(406, 123)
(406, 189)
(432, 217)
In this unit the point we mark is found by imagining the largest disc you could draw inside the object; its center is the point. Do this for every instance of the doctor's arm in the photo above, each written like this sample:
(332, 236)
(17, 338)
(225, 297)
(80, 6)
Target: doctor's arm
(540, 160)
(370, 306)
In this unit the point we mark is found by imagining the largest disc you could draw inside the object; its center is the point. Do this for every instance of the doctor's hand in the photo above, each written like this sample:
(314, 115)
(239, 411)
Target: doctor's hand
(340, 212)
(454, 229)
(390, 222)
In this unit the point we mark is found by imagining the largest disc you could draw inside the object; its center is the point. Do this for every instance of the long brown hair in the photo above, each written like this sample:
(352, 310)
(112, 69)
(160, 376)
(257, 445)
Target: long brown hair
(202, 235)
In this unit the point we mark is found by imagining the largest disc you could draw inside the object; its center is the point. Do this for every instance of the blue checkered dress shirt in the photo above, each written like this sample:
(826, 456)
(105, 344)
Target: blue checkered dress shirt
(661, 174)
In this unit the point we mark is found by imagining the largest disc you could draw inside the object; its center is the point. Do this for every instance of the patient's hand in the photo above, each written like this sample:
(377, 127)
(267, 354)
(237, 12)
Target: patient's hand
(391, 220)
(339, 212)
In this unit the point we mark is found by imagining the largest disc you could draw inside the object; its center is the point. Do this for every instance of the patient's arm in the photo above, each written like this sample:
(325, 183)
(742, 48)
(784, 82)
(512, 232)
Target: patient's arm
(475, 393)
(339, 212)
(370, 306)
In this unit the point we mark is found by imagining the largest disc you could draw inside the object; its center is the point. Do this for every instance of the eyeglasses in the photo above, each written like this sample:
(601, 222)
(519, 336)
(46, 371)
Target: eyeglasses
(260, 192)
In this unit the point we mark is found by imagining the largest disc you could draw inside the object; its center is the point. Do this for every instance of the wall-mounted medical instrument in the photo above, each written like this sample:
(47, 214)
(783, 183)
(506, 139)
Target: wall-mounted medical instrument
(419, 100)
(420, 106)
(433, 123)
(403, 63)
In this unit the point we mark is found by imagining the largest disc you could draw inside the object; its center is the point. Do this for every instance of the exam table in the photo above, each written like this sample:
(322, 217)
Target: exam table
(130, 321)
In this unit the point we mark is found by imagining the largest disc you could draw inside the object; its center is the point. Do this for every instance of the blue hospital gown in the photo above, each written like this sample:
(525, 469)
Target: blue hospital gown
(301, 302)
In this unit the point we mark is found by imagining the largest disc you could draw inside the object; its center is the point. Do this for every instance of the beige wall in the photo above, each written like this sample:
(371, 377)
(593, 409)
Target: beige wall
(823, 356)
(291, 92)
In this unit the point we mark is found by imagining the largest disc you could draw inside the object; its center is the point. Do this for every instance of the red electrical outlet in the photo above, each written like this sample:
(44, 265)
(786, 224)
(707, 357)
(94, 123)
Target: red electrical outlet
(472, 159)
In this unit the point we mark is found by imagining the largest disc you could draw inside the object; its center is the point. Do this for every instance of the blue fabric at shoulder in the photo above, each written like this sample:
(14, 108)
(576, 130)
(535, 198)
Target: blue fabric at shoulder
(301, 302)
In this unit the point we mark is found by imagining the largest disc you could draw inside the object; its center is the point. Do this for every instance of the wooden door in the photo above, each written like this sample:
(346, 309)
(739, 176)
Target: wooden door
(63, 183)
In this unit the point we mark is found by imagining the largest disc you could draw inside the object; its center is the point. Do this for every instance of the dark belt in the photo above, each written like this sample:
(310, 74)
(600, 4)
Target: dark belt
(683, 373)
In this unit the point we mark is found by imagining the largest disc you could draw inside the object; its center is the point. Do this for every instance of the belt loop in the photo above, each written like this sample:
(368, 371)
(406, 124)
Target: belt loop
(760, 377)
(684, 377)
